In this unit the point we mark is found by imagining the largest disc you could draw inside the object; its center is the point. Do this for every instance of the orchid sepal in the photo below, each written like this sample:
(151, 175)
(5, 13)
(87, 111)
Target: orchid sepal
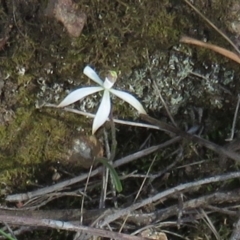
(127, 97)
(78, 94)
(102, 112)
(89, 72)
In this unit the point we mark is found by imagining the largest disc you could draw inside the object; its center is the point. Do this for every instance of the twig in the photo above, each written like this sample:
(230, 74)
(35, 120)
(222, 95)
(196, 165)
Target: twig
(170, 166)
(209, 223)
(112, 157)
(27, 221)
(220, 50)
(234, 120)
(93, 116)
(82, 203)
(166, 193)
(139, 191)
(222, 210)
(204, 201)
(105, 173)
(114, 140)
(37, 202)
(164, 104)
(210, 145)
(85, 192)
(136, 217)
(213, 26)
(10, 231)
(69, 215)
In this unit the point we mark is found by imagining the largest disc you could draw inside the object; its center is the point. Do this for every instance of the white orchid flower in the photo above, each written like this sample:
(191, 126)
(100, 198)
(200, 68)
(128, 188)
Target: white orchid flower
(105, 105)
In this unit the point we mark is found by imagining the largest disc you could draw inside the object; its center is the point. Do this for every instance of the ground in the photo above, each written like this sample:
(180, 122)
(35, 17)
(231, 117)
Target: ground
(42, 57)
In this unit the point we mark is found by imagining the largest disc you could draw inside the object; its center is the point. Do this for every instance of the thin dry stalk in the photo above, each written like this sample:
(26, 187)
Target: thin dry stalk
(85, 192)
(105, 174)
(234, 120)
(164, 104)
(231, 55)
(93, 116)
(210, 145)
(167, 193)
(37, 202)
(213, 26)
(222, 210)
(10, 230)
(179, 157)
(209, 223)
(112, 157)
(48, 223)
(204, 202)
(139, 191)
(139, 218)
(69, 215)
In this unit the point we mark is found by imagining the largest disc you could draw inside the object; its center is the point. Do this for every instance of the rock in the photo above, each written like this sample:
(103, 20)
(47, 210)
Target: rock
(66, 12)
(83, 151)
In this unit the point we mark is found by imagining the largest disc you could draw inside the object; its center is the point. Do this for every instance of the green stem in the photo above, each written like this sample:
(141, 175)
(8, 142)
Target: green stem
(6, 235)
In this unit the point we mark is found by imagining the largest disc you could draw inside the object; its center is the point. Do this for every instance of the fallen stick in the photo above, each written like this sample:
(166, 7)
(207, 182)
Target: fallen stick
(231, 55)
(162, 195)
(49, 223)
(210, 145)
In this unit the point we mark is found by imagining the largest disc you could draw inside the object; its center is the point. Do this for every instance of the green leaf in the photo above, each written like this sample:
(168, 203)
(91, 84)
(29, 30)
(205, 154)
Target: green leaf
(7, 236)
(116, 180)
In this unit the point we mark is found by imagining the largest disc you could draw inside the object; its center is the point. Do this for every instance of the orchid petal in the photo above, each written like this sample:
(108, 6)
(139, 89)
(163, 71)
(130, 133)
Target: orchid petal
(129, 99)
(78, 94)
(102, 112)
(89, 72)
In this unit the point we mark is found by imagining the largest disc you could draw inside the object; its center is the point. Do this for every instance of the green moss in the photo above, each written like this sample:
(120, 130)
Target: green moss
(33, 138)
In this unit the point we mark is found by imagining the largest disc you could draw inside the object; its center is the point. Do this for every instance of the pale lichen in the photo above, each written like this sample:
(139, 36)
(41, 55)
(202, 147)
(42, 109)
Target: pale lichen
(180, 81)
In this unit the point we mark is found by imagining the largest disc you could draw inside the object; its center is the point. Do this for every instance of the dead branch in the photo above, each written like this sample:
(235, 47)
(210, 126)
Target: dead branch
(231, 55)
(167, 193)
(215, 198)
(210, 145)
(49, 223)
(68, 215)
